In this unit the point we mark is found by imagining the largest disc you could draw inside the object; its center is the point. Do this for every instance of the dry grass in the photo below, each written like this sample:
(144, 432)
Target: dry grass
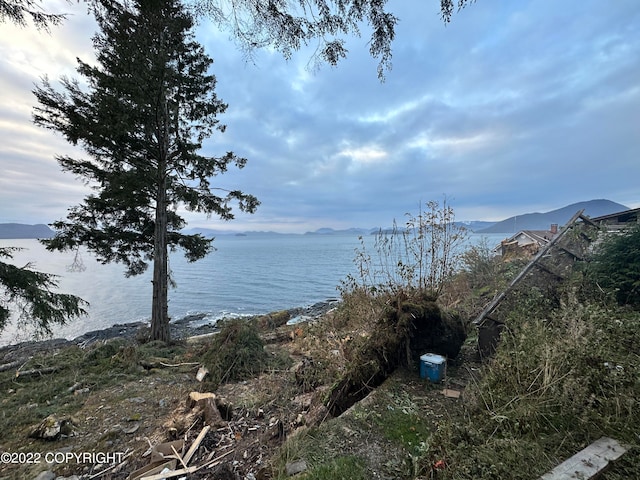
(554, 386)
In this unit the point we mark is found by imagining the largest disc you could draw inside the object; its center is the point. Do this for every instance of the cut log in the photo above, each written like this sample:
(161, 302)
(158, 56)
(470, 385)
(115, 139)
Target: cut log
(450, 393)
(36, 371)
(8, 366)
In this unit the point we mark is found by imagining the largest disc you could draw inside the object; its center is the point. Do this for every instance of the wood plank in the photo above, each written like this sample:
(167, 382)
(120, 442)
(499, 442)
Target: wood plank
(171, 473)
(586, 219)
(196, 444)
(589, 462)
(573, 254)
(450, 393)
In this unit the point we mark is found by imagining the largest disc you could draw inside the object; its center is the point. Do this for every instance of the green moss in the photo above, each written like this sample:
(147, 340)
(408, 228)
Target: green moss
(341, 468)
(407, 429)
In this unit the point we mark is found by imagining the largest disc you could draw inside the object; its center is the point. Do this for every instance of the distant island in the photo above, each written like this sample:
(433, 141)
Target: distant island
(526, 221)
(347, 231)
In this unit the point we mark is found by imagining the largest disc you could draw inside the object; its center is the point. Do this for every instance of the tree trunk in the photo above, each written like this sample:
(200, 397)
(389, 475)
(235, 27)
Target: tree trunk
(159, 308)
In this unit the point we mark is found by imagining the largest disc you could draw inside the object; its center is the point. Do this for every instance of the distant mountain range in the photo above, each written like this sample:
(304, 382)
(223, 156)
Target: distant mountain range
(527, 221)
(20, 230)
(543, 221)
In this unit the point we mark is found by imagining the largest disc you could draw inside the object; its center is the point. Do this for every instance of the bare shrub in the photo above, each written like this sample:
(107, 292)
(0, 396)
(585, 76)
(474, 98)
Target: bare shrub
(420, 256)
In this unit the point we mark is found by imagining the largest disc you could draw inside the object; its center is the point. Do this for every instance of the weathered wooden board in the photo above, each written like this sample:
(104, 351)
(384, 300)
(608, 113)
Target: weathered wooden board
(450, 393)
(587, 463)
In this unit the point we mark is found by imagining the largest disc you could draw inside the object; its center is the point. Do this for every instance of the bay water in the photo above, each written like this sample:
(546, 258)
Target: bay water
(246, 275)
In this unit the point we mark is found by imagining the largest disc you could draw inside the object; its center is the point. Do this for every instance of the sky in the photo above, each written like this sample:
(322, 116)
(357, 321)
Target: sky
(512, 108)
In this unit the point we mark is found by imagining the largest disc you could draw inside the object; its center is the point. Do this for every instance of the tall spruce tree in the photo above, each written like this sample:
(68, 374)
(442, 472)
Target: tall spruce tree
(149, 104)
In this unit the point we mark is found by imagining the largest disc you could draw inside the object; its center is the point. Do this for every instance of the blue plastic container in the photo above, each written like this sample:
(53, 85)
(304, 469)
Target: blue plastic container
(432, 367)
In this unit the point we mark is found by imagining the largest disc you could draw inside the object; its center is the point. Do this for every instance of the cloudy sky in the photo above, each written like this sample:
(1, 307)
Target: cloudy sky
(514, 107)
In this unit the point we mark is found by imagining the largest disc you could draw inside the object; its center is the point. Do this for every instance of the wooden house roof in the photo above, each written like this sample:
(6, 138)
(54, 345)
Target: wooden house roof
(626, 216)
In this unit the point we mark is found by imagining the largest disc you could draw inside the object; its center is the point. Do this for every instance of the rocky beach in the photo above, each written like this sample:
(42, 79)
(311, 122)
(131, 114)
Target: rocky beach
(182, 328)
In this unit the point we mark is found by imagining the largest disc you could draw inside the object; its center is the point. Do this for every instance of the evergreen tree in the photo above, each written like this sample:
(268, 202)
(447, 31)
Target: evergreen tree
(279, 24)
(286, 26)
(18, 11)
(149, 104)
(31, 293)
(616, 266)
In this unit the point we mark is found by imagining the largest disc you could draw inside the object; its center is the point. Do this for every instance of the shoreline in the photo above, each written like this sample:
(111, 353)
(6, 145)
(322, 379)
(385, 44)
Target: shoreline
(181, 329)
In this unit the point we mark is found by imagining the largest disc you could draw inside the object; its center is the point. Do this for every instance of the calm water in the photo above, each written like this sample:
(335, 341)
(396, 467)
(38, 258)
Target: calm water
(246, 275)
